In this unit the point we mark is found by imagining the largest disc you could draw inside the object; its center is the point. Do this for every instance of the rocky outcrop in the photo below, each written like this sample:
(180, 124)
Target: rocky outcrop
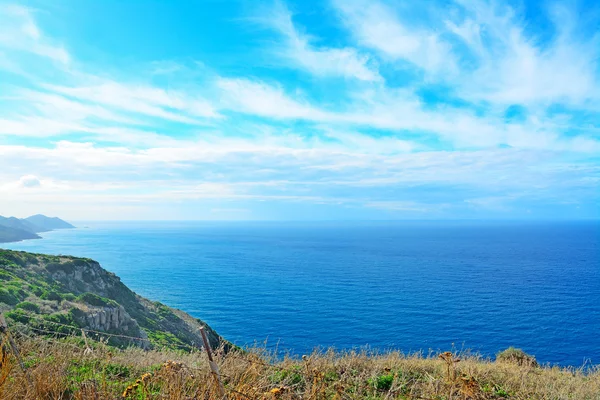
(81, 290)
(84, 275)
(109, 318)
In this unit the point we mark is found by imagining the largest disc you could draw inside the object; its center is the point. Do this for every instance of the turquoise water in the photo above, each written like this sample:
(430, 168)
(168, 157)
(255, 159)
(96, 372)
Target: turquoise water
(403, 285)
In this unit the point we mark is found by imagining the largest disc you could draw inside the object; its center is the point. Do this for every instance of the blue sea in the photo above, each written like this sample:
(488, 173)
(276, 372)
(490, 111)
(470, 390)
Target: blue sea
(413, 286)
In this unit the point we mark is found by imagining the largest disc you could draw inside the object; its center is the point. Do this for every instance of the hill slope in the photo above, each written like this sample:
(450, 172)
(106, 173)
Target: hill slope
(8, 234)
(16, 229)
(48, 223)
(16, 223)
(61, 369)
(42, 291)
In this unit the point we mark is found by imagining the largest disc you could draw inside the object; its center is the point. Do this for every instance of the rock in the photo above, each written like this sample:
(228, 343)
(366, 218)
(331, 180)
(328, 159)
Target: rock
(102, 302)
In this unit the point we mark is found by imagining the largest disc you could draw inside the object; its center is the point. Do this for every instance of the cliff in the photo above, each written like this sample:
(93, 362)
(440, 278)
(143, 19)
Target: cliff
(42, 291)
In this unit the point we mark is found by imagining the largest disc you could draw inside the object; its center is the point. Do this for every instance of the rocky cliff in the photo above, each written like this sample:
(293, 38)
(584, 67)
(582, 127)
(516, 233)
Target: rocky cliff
(41, 292)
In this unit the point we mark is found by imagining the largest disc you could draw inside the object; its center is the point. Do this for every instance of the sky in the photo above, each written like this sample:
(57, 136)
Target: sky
(300, 110)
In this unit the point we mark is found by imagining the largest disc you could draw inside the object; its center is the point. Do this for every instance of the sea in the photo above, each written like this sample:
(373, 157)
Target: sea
(414, 286)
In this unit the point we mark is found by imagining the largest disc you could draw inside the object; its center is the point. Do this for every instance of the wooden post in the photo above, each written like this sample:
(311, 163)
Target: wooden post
(13, 347)
(88, 349)
(213, 365)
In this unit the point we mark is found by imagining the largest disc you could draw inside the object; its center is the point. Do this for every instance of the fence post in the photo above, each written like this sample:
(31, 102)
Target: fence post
(213, 365)
(13, 347)
(88, 349)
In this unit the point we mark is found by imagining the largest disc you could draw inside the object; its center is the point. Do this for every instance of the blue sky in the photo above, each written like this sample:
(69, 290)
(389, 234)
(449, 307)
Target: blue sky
(336, 109)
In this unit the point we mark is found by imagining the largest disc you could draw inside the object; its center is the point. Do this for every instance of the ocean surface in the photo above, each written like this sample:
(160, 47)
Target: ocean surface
(411, 286)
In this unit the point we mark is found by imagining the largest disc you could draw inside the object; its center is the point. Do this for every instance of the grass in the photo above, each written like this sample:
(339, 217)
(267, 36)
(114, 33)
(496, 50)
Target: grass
(61, 370)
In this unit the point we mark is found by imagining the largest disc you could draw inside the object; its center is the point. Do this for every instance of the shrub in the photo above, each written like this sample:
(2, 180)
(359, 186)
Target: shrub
(5, 276)
(18, 316)
(61, 323)
(117, 371)
(51, 295)
(517, 356)
(69, 296)
(292, 376)
(28, 306)
(8, 297)
(67, 267)
(382, 382)
(95, 300)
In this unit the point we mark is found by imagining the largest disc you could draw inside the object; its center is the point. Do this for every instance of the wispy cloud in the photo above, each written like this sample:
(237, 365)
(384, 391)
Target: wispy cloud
(148, 100)
(320, 60)
(19, 31)
(263, 99)
(379, 27)
(515, 67)
(404, 110)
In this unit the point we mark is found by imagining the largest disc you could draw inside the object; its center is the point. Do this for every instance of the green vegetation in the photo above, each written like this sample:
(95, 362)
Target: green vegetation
(95, 300)
(29, 306)
(516, 356)
(382, 382)
(40, 292)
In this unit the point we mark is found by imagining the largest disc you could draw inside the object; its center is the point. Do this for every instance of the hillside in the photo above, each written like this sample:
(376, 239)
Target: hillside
(14, 229)
(8, 234)
(22, 224)
(48, 223)
(44, 292)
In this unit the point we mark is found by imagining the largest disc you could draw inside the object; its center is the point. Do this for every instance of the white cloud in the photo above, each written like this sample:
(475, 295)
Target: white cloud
(406, 206)
(262, 99)
(400, 110)
(321, 61)
(142, 99)
(19, 31)
(378, 26)
(514, 67)
(131, 140)
(29, 181)
(38, 127)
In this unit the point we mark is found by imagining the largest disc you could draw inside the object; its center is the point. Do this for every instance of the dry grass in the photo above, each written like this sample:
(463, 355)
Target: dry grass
(64, 371)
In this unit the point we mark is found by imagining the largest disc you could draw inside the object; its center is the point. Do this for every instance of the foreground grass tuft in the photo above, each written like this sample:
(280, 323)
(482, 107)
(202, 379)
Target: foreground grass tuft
(62, 370)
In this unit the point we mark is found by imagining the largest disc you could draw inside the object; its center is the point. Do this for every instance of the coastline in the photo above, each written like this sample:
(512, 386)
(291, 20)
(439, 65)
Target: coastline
(397, 279)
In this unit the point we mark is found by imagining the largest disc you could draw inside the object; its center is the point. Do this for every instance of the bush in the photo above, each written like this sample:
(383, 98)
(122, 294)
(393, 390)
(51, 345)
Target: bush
(38, 291)
(57, 319)
(117, 371)
(51, 295)
(5, 276)
(517, 356)
(28, 306)
(67, 267)
(8, 297)
(95, 300)
(69, 296)
(18, 316)
(292, 376)
(382, 382)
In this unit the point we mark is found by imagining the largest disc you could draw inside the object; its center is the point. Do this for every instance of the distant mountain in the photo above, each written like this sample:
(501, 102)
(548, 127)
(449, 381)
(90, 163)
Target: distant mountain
(8, 234)
(15, 229)
(48, 223)
(22, 224)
